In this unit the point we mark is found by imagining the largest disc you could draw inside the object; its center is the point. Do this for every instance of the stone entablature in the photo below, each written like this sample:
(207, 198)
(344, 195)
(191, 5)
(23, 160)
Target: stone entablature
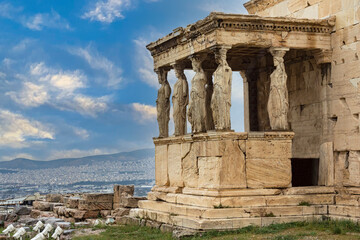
(241, 31)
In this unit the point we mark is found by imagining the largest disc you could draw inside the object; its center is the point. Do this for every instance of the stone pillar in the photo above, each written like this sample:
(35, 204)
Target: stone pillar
(163, 103)
(221, 98)
(209, 88)
(180, 100)
(197, 106)
(246, 101)
(278, 103)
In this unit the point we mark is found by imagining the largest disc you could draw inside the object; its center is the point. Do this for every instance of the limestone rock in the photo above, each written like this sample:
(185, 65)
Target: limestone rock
(119, 212)
(99, 197)
(42, 206)
(54, 198)
(21, 210)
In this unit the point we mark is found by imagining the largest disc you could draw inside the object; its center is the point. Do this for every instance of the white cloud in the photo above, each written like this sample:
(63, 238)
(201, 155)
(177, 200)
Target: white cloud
(8, 11)
(2, 75)
(58, 88)
(76, 153)
(7, 62)
(31, 95)
(46, 20)
(237, 92)
(83, 133)
(36, 22)
(20, 155)
(145, 62)
(16, 131)
(107, 11)
(22, 45)
(87, 105)
(99, 62)
(144, 112)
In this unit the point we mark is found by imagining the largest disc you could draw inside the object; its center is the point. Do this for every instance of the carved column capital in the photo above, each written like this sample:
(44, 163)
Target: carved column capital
(278, 51)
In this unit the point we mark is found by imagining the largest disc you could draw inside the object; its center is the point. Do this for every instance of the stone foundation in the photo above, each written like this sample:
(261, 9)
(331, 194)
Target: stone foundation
(235, 209)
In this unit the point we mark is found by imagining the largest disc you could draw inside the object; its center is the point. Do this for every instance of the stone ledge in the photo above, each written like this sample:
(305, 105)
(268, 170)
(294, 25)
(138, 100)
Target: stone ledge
(212, 135)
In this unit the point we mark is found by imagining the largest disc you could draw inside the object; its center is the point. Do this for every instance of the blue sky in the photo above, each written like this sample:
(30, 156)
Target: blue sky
(76, 78)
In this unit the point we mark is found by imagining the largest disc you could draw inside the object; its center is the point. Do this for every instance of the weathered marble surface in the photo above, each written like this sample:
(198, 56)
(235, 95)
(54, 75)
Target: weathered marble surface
(163, 103)
(197, 106)
(221, 98)
(180, 100)
(278, 104)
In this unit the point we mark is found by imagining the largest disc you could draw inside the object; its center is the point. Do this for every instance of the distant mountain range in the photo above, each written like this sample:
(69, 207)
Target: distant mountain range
(23, 163)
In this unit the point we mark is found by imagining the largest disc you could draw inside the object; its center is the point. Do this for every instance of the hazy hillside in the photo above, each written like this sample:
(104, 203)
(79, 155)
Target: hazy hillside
(23, 163)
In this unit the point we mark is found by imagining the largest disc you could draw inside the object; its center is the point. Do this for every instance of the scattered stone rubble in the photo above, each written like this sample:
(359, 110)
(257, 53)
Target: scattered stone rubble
(71, 211)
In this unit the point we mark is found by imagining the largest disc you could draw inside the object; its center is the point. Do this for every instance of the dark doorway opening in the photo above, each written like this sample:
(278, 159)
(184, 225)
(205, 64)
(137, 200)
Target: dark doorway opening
(305, 171)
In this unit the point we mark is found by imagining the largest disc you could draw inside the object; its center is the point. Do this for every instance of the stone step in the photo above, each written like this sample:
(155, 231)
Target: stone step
(211, 213)
(218, 224)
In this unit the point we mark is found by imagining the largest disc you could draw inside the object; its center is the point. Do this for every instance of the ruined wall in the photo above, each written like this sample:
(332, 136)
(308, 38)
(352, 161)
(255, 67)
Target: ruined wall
(340, 94)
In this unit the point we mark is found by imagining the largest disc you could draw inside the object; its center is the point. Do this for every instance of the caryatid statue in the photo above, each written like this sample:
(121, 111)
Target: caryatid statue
(278, 103)
(221, 97)
(163, 103)
(209, 89)
(197, 107)
(180, 100)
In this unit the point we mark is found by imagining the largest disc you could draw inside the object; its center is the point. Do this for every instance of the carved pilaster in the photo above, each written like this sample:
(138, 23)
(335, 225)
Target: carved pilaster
(221, 98)
(197, 106)
(163, 102)
(278, 103)
(180, 100)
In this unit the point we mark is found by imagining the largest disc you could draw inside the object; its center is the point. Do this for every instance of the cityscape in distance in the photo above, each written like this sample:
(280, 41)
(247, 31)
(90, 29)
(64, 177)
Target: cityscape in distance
(21, 177)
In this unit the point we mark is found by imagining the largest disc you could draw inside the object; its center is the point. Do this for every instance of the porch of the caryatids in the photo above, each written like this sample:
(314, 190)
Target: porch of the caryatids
(278, 103)
(197, 106)
(163, 103)
(180, 100)
(221, 97)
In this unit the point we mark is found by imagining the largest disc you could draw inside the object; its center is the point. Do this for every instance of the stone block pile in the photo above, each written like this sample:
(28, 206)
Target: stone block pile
(73, 210)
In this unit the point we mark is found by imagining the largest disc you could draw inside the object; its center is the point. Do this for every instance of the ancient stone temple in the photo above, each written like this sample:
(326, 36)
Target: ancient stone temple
(299, 157)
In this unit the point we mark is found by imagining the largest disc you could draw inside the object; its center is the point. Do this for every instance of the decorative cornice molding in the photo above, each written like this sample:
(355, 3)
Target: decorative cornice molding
(238, 22)
(213, 136)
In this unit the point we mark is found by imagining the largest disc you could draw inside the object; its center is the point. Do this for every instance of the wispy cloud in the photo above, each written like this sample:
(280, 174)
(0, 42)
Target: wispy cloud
(23, 44)
(144, 112)
(59, 89)
(16, 131)
(83, 133)
(8, 11)
(20, 155)
(99, 62)
(36, 22)
(76, 153)
(107, 11)
(145, 62)
(46, 20)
